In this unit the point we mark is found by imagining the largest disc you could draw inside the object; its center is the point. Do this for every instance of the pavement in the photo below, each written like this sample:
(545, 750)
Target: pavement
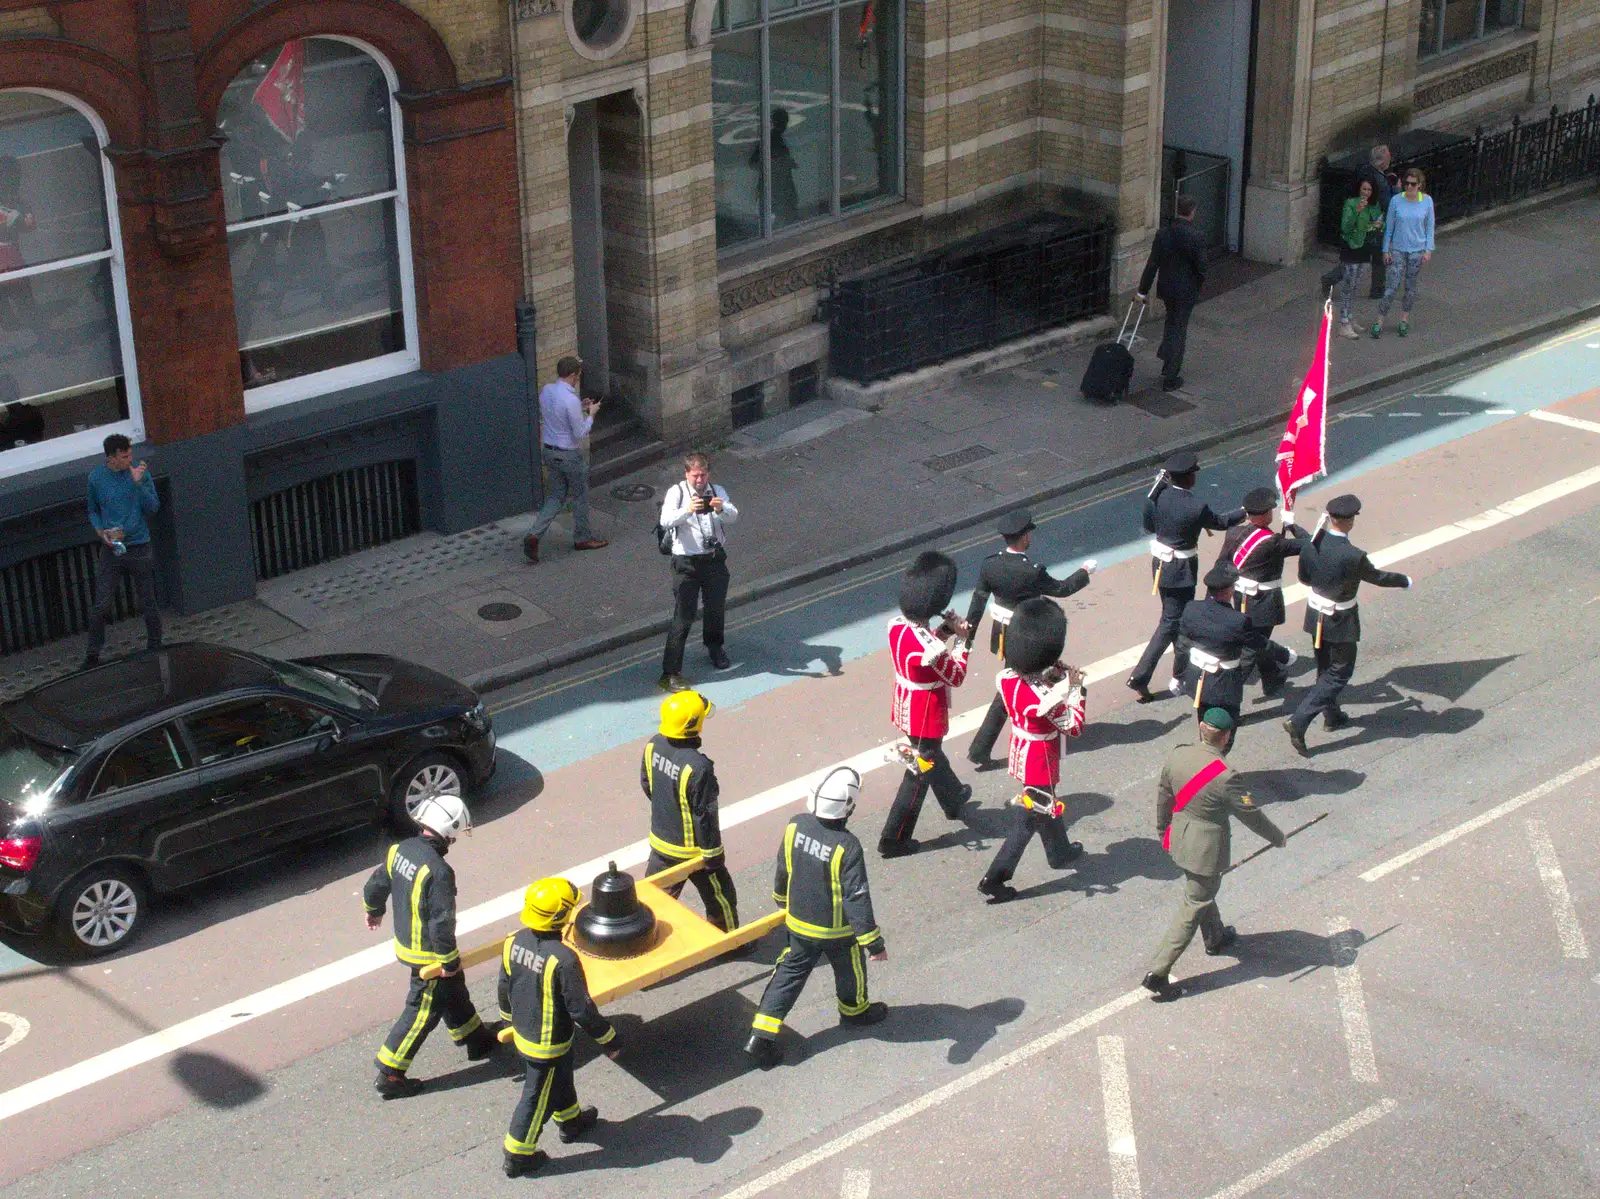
(1410, 1008)
(826, 487)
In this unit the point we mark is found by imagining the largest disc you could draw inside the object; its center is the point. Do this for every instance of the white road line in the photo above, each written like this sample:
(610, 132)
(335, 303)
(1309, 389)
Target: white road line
(1352, 1003)
(857, 1184)
(1120, 1145)
(1573, 944)
(294, 990)
(19, 1029)
(1572, 422)
(1500, 411)
(1304, 1153)
(1477, 822)
(935, 1097)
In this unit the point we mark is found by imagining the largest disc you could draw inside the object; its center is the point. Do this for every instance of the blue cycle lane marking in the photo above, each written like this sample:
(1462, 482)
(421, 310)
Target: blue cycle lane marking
(820, 630)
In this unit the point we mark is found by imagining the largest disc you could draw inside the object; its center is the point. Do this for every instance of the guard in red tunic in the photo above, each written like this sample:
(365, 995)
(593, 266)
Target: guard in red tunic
(928, 661)
(1046, 702)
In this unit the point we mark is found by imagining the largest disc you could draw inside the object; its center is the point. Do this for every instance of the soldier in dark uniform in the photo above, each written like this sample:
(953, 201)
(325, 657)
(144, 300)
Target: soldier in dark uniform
(821, 882)
(681, 784)
(1214, 635)
(1195, 800)
(1175, 515)
(1258, 554)
(1334, 569)
(1004, 581)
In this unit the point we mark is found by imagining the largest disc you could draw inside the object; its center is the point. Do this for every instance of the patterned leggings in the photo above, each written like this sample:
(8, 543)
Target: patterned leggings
(1347, 288)
(1409, 264)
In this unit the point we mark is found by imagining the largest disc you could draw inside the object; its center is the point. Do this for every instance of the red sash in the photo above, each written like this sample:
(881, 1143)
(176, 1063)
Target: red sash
(1190, 789)
(1248, 546)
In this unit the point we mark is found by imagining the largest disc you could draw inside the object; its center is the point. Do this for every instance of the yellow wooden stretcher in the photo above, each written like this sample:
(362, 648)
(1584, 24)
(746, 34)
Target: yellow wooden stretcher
(682, 940)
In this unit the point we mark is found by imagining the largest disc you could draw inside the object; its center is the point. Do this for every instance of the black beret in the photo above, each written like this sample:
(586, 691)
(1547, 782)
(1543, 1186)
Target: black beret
(1015, 524)
(1223, 574)
(1343, 506)
(1182, 463)
(1262, 499)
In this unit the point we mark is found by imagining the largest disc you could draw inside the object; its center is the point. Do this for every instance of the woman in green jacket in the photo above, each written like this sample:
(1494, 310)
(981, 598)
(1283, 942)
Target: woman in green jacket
(1360, 217)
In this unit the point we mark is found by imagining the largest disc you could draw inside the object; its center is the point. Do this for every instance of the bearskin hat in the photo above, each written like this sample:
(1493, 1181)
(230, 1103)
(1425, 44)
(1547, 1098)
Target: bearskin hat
(927, 586)
(1036, 636)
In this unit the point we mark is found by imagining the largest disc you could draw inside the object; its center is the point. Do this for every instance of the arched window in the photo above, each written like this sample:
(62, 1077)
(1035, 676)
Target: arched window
(66, 349)
(314, 187)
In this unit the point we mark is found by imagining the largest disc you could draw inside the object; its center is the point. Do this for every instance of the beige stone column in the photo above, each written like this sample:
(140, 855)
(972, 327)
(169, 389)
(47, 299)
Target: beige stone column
(1280, 198)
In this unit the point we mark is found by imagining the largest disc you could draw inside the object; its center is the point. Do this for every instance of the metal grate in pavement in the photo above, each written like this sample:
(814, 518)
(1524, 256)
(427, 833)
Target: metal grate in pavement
(959, 458)
(1159, 403)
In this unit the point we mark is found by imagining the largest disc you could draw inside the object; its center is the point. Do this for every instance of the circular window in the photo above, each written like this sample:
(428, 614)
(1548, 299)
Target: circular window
(599, 28)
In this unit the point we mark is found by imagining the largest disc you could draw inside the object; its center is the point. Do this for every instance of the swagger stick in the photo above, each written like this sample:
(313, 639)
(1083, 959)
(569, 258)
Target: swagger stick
(1292, 832)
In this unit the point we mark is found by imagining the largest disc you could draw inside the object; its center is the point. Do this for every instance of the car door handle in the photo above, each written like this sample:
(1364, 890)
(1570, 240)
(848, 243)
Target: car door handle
(228, 798)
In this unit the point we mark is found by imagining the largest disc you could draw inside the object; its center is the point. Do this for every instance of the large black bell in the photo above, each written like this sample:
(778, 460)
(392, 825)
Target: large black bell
(614, 924)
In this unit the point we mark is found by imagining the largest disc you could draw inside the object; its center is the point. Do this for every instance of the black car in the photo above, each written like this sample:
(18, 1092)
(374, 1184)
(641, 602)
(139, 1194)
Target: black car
(153, 772)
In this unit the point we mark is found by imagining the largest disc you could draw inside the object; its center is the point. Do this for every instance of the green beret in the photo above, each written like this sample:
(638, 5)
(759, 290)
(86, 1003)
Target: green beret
(1217, 718)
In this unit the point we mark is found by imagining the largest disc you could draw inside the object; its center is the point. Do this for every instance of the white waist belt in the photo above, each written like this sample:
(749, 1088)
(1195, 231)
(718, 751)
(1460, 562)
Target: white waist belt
(1254, 586)
(1167, 553)
(902, 681)
(1001, 613)
(1324, 606)
(1210, 663)
(1025, 735)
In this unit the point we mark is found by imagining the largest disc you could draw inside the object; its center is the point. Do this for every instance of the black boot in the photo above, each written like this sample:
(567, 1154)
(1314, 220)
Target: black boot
(1333, 720)
(877, 1012)
(763, 1051)
(574, 1128)
(1228, 937)
(480, 1044)
(519, 1165)
(1163, 990)
(997, 891)
(396, 1086)
(1297, 738)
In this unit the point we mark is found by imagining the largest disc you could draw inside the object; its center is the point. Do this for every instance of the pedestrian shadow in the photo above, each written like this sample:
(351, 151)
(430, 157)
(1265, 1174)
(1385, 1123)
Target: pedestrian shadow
(1104, 872)
(758, 656)
(652, 1137)
(1288, 785)
(967, 1029)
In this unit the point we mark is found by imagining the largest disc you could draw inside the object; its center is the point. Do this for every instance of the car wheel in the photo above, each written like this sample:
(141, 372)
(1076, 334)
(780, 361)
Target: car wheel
(101, 910)
(430, 776)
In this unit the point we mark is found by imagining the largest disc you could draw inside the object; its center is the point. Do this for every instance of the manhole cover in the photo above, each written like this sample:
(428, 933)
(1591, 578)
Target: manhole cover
(632, 493)
(499, 612)
(965, 457)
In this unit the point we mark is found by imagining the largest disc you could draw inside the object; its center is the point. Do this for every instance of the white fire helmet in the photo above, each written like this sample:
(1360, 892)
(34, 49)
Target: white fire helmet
(445, 815)
(836, 795)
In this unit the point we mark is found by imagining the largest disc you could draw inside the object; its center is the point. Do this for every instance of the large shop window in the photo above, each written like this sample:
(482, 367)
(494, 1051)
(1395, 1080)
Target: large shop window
(314, 187)
(1447, 24)
(806, 111)
(66, 353)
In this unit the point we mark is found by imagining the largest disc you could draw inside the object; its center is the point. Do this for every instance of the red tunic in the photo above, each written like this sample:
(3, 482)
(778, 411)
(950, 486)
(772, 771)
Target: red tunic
(1040, 718)
(925, 669)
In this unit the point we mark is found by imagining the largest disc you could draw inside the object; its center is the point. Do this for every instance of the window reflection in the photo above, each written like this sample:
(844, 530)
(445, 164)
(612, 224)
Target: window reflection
(736, 130)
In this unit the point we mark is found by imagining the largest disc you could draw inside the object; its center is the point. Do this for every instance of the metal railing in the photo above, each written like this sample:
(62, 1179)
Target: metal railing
(329, 517)
(1012, 281)
(49, 597)
(1486, 170)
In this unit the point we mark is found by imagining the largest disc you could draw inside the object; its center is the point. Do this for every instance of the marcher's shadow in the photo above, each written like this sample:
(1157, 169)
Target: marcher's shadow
(1103, 733)
(1288, 785)
(982, 827)
(649, 1138)
(1404, 721)
(685, 1051)
(967, 1029)
(1278, 955)
(1406, 718)
(1104, 872)
(754, 656)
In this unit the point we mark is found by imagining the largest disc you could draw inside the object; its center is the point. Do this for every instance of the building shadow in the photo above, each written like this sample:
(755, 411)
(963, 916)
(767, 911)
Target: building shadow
(967, 1029)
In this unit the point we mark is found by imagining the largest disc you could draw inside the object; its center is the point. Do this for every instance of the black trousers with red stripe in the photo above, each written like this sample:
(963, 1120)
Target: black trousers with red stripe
(914, 788)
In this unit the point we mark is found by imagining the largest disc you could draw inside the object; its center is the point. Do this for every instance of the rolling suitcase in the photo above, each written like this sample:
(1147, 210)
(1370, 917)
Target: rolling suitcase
(1111, 365)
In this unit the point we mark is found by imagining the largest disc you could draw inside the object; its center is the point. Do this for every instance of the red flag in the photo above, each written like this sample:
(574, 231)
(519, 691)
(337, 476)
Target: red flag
(280, 93)
(1305, 438)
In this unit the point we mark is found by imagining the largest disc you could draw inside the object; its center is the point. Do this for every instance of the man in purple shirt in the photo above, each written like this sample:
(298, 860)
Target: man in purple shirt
(567, 421)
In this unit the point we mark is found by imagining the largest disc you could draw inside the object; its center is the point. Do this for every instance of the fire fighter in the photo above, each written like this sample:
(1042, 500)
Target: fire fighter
(543, 994)
(1046, 701)
(821, 883)
(1258, 554)
(928, 662)
(681, 784)
(1005, 580)
(423, 888)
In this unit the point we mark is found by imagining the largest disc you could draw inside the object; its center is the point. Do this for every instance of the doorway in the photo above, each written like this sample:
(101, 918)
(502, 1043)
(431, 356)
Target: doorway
(588, 247)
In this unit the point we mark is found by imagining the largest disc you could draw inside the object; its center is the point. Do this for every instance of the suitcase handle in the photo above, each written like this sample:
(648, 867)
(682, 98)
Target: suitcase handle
(1125, 317)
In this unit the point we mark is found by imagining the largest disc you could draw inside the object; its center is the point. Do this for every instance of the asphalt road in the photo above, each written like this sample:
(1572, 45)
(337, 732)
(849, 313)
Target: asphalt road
(1428, 1031)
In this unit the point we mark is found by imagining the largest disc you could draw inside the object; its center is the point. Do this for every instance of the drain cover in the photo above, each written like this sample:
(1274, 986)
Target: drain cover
(499, 612)
(632, 493)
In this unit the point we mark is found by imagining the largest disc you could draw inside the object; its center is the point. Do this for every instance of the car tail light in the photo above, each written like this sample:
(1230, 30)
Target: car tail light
(19, 853)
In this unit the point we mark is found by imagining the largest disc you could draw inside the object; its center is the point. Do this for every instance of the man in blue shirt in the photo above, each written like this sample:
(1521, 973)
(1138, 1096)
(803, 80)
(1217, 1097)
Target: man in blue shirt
(566, 420)
(121, 495)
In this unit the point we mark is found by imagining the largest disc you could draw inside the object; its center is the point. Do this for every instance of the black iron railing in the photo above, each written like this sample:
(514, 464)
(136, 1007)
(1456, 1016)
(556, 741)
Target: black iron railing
(326, 518)
(49, 597)
(1012, 281)
(1484, 171)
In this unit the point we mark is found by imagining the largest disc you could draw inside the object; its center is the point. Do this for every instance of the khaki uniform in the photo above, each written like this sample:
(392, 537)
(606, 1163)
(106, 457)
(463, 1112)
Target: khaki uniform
(1200, 843)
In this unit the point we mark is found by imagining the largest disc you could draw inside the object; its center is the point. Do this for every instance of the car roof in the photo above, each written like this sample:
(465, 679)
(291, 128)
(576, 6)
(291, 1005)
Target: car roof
(87, 705)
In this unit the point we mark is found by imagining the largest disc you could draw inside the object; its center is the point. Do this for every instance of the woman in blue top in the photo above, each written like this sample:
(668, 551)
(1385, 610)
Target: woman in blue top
(1408, 242)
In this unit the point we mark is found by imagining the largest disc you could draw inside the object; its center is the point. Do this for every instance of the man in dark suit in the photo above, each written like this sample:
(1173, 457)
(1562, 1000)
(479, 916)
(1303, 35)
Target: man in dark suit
(1175, 516)
(1334, 569)
(1177, 256)
(1004, 581)
(1214, 635)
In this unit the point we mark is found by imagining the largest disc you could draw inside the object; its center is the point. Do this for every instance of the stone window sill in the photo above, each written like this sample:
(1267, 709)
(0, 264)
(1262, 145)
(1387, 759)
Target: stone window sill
(754, 260)
(1470, 54)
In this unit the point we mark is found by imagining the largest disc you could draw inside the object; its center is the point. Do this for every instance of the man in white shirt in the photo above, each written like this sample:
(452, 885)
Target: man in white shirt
(697, 513)
(566, 420)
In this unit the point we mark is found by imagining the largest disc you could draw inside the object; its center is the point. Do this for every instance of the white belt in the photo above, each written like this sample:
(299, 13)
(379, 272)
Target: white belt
(902, 681)
(1324, 606)
(1246, 586)
(1165, 553)
(1025, 735)
(1210, 663)
(1001, 613)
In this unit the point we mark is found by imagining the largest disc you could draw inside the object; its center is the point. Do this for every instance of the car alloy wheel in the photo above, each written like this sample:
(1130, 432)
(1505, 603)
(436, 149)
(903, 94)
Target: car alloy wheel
(431, 780)
(104, 913)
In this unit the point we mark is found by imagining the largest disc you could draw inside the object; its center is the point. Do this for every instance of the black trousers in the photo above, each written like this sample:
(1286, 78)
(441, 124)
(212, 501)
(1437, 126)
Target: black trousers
(1374, 250)
(994, 720)
(548, 1093)
(1051, 831)
(715, 885)
(1268, 657)
(696, 577)
(1173, 602)
(914, 787)
(795, 965)
(1336, 664)
(138, 561)
(427, 1002)
(1174, 337)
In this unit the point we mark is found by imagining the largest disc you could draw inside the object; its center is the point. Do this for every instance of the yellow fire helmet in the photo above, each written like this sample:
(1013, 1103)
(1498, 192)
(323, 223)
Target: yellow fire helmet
(684, 713)
(547, 904)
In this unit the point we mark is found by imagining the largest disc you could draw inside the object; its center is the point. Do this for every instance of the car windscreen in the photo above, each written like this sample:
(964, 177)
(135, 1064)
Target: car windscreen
(28, 768)
(326, 685)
